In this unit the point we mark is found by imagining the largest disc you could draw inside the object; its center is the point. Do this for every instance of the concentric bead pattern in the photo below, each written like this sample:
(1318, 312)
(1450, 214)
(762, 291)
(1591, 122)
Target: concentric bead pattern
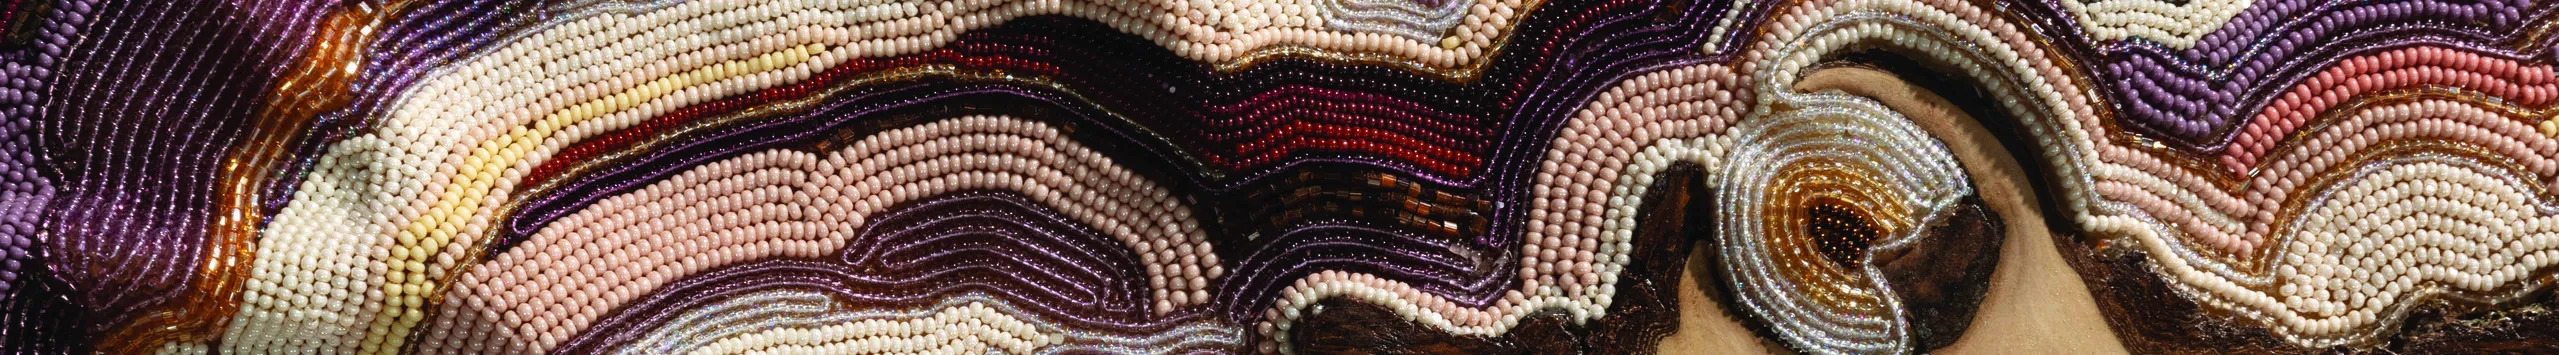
(1263, 176)
(1835, 151)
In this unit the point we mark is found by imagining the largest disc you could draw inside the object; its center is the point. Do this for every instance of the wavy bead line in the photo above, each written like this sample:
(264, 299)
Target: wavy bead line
(785, 320)
(2175, 25)
(2523, 84)
(2196, 97)
(323, 78)
(2204, 278)
(138, 107)
(838, 191)
(1590, 276)
(971, 327)
(1568, 262)
(991, 243)
(433, 229)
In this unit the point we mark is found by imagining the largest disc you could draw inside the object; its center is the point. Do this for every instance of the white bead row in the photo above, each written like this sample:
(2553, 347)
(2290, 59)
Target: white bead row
(785, 320)
(2176, 25)
(1415, 20)
(740, 314)
(2368, 247)
(971, 328)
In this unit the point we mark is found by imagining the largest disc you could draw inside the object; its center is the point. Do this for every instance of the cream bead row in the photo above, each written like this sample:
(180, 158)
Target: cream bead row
(464, 210)
(570, 272)
(2224, 293)
(2176, 25)
(790, 308)
(489, 171)
(184, 348)
(401, 133)
(2132, 180)
(594, 101)
(570, 65)
(972, 328)
(2436, 119)
(690, 329)
(396, 130)
(1582, 214)
(2203, 211)
(1406, 301)
(1211, 31)
(2415, 225)
(2290, 169)
(306, 290)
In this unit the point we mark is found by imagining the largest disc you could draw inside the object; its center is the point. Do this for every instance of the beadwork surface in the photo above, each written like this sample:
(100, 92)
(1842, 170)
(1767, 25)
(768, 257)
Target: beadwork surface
(1291, 176)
